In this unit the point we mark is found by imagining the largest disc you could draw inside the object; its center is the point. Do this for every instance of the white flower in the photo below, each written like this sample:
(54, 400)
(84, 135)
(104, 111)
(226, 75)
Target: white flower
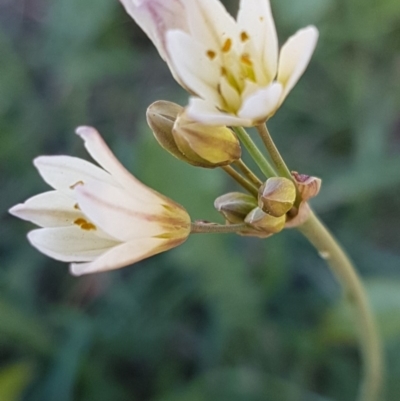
(234, 68)
(102, 218)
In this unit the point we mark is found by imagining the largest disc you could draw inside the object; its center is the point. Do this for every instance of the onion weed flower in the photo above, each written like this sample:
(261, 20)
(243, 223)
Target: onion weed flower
(99, 218)
(233, 68)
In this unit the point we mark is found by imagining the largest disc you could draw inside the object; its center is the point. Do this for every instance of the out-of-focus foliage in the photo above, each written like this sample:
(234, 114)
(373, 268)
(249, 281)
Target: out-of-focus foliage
(221, 317)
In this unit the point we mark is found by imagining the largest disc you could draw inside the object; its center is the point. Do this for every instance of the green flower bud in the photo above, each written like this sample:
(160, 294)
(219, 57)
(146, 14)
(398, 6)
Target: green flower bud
(265, 222)
(276, 196)
(307, 185)
(192, 142)
(210, 145)
(161, 116)
(235, 206)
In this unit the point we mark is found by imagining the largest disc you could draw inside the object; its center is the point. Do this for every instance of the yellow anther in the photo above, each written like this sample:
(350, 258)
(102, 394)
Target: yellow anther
(244, 36)
(84, 224)
(227, 45)
(211, 54)
(245, 59)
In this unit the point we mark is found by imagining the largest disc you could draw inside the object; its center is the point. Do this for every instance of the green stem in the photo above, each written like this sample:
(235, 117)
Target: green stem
(248, 186)
(274, 152)
(248, 173)
(210, 228)
(329, 249)
(255, 153)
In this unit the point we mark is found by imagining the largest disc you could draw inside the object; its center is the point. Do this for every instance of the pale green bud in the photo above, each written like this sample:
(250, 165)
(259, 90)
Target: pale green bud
(265, 222)
(212, 145)
(235, 206)
(192, 142)
(276, 196)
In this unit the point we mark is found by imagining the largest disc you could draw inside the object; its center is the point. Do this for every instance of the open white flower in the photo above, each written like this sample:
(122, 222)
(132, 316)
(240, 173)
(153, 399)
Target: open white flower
(234, 68)
(102, 218)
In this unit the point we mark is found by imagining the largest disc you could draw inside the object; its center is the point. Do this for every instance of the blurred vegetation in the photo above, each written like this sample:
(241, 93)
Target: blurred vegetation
(221, 317)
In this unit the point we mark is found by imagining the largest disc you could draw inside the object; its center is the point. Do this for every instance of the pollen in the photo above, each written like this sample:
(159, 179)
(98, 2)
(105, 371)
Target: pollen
(227, 45)
(245, 59)
(223, 71)
(211, 54)
(84, 224)
(76, 184)
(244, 36)
(76, 206)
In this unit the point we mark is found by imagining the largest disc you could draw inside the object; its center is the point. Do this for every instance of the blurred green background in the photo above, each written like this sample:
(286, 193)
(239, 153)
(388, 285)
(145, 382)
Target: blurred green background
(222, 317)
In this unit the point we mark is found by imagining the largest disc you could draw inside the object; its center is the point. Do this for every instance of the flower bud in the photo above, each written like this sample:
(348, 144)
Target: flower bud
(190, 141)
(265, 222)
(161, 116)
(211, 145)
(276, 196)
(307, 185)
(235, 206)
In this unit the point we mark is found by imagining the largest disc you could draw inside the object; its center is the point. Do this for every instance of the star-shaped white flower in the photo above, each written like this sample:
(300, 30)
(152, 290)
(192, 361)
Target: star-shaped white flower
(233, 68)
(99, 218)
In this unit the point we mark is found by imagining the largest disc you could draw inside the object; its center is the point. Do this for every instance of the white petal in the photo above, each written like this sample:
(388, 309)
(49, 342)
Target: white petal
(155, 17)
(261, 104)
(189, 57)
(103, 155)
(49, 209)
(64, 172)
(255, 18)
(117, 213)
(122, 255)
(206, 113)
(295, 56)
(210, 23)
(69, 244)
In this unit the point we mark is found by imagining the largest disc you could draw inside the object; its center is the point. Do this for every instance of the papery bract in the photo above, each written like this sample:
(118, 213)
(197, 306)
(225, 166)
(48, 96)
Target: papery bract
(234, 68)
(102, 218)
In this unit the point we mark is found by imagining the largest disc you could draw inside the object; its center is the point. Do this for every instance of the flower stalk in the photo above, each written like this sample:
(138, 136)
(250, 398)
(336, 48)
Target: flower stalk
(247, 185)
(342, 267)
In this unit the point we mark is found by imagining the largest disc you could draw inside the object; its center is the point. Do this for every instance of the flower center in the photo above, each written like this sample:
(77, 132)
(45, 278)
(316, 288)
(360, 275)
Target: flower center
(236, 70)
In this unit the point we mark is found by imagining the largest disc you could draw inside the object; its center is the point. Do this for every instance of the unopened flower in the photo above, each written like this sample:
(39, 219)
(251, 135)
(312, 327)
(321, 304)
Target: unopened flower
(233, 68)
(195, 143)
(99, 218)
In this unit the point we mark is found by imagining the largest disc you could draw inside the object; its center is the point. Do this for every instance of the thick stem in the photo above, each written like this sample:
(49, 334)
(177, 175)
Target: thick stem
(248, 186)
(255, 153)
(248, 173)
(329, 249)
(273, 152)
(210, 228)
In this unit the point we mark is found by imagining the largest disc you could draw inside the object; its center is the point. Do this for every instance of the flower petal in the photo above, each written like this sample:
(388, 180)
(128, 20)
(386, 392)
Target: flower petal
(49, 209)
(124, 255)
(210, 23)
(118, 214)
(155, 17)
(64, 172)
(189, 58)
(295, 56)
(103, 155)
(256, 20)
(261, 104)
(69, 244)
(206, 113)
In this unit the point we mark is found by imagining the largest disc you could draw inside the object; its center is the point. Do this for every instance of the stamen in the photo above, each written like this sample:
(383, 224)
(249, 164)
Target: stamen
(245, 59)
(227, 45)
(244, 36)
(76, 184)
(84, 224)
(211, 54)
